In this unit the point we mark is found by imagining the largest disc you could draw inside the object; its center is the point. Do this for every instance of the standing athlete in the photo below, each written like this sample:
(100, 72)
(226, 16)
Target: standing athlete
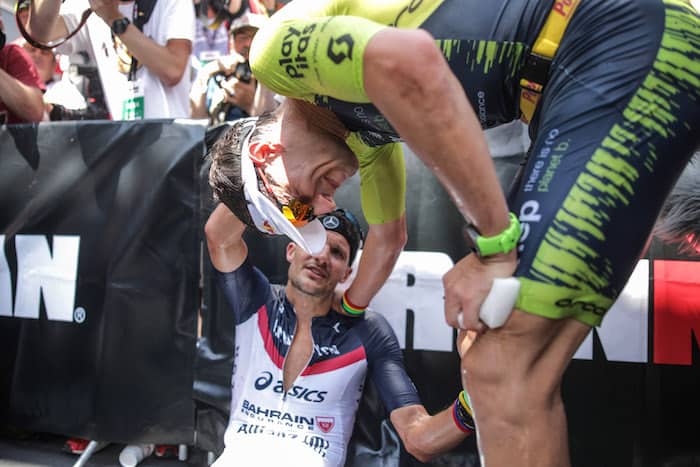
(610, 90)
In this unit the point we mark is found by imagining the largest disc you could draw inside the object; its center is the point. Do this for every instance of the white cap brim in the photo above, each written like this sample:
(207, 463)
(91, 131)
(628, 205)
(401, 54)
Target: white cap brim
(267, 216)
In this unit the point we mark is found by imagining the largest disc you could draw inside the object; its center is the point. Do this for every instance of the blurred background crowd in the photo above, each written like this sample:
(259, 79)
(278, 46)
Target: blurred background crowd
(189, 60)
(185, 60)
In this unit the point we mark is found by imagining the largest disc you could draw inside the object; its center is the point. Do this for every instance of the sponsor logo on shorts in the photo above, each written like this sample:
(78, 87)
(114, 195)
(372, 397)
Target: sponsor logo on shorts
(481, 100)
(529, 214)
(581, 306)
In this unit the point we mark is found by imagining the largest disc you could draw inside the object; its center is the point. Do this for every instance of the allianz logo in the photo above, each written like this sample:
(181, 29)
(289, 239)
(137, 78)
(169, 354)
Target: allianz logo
(46, 267)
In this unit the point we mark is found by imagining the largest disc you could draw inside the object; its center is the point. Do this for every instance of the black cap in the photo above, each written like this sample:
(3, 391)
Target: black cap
(344, 223)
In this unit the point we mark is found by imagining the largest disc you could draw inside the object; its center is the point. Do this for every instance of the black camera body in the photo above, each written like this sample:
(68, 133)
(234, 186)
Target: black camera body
(242, 72)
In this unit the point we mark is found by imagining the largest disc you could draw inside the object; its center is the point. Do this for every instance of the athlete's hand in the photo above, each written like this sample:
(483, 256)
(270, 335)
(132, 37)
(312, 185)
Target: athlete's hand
(469, 282)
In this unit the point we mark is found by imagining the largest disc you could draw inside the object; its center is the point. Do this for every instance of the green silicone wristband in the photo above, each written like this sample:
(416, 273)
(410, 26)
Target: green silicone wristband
(503, 242)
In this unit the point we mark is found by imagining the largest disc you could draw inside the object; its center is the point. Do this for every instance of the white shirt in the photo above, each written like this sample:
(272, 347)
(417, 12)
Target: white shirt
(170, 19)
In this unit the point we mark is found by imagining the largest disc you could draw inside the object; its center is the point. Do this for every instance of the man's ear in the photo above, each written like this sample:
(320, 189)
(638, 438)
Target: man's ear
(290, 251)
(347, 274)
(261, 152)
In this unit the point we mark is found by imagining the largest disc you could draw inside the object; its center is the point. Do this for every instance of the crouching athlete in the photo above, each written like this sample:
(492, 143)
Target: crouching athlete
(300, 366)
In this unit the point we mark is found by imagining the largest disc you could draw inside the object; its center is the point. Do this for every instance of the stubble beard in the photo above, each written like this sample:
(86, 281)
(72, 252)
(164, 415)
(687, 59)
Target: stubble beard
(319, 293)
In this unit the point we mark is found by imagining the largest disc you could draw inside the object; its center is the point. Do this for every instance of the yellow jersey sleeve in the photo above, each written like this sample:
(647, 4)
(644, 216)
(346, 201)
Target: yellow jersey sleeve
(382, 180)
(309, 56)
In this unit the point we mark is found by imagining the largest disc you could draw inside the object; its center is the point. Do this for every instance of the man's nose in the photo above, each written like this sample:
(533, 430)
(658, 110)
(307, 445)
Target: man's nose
(323, 256)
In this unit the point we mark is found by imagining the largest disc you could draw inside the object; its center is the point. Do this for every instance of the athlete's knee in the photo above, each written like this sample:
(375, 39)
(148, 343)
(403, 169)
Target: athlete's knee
(507, 400)
(511, 374)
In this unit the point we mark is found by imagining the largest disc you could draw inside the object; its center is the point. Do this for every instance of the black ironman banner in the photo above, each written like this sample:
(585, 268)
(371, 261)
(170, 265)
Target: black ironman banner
(101, 228)
(99, 278)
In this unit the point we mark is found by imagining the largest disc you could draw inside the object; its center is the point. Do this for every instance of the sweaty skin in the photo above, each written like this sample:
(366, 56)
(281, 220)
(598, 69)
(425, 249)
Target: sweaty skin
(617, 122)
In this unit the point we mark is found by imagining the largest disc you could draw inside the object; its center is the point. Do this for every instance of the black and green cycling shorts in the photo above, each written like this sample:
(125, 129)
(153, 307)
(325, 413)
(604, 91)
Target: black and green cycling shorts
(618, 121)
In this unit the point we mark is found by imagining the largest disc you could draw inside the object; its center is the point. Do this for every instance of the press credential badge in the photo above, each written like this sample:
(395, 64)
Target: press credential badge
(133, 104)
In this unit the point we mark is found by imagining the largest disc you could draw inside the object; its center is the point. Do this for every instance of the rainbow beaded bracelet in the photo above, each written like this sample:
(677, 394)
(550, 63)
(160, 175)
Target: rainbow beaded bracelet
(349, 308)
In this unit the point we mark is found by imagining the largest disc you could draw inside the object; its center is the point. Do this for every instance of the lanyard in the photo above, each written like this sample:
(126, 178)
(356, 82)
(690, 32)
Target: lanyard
(134, 60)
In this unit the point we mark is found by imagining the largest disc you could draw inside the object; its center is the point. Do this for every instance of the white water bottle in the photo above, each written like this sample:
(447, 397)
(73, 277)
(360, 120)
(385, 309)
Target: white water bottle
(132, 454)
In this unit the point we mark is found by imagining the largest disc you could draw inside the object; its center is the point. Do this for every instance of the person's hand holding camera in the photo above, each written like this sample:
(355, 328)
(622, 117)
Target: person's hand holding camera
(240, 93)
(226, 64)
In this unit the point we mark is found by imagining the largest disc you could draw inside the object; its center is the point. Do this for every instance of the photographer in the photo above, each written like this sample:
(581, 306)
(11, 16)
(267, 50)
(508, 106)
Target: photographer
(225, 89)
(141, 49)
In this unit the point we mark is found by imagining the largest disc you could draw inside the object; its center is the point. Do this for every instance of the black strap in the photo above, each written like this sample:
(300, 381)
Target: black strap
(142, 14)
(535, 71)
(144, 8)
(51, 44)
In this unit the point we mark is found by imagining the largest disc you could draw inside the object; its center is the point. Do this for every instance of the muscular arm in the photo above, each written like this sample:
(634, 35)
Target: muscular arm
(168, 61)
(381, 250)
(423, 435)
(224, 232)
(447, 137)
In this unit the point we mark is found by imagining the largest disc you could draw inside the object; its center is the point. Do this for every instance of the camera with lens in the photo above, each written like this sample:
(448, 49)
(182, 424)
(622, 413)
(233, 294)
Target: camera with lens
(219, 109)
(242, 73)
(87, 79)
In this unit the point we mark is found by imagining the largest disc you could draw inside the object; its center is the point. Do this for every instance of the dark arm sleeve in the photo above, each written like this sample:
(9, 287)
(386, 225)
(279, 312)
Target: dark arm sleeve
(246, 290)
(385, 363)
